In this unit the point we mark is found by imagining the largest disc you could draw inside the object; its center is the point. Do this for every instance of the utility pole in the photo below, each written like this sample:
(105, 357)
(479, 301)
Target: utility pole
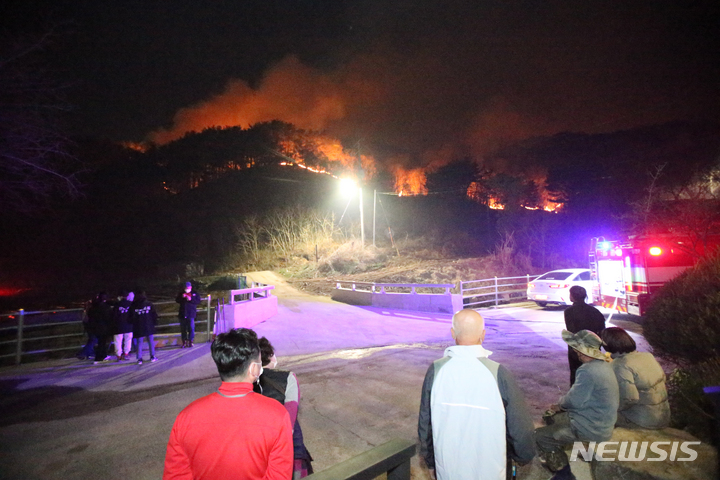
(360, 178)
(362, 223)
(374, 203)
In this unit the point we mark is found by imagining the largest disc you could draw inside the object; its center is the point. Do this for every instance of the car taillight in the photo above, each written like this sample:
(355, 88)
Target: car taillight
(655, 251)
(559, 285)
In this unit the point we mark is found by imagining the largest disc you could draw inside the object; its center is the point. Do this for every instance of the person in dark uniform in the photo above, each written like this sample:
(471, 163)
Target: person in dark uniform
(581, 316)
(282, 385)
(100, 324)
(188, 300)
(144, 320)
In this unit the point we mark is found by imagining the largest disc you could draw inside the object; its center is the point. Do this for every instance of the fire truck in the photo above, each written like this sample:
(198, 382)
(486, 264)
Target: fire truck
(626, 273)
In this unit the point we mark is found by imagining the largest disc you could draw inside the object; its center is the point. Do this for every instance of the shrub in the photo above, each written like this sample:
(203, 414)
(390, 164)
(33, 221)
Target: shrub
(683, 321)
(682, 324)
(691, 409)
(225, 283)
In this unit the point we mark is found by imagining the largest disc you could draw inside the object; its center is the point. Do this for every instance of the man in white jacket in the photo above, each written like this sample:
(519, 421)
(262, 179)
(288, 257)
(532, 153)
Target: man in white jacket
(473, 417)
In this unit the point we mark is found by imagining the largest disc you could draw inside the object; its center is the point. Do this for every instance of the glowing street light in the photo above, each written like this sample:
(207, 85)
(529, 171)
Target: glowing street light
(348, 187)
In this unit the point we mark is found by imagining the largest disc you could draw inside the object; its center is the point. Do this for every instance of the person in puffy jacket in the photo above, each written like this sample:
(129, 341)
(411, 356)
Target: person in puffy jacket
(282, 385)
(643, 396)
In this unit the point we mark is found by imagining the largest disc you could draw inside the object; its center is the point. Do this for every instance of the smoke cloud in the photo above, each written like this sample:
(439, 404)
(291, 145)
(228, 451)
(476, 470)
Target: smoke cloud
(422, 85)
(290, 91)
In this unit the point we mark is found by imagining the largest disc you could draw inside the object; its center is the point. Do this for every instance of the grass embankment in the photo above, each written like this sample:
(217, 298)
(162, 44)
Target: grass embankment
(409, 261)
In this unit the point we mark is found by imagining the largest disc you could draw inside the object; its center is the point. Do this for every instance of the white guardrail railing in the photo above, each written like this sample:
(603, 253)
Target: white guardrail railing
(495, 290)
(415, 288)
(257, 291)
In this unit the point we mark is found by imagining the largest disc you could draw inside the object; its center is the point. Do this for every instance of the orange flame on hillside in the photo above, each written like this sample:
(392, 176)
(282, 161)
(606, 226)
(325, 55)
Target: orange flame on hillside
(319, 149)
(410, 182)
(138, 147)
(476, 192)
(495, 204)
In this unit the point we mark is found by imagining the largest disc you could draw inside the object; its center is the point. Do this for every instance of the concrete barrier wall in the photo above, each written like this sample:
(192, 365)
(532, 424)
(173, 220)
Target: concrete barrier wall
(249, 313)
(352, 297)
(419, 302)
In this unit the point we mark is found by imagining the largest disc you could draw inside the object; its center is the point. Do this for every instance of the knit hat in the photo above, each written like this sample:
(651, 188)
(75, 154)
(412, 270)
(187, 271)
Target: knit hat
(585, 342)
(188, 285)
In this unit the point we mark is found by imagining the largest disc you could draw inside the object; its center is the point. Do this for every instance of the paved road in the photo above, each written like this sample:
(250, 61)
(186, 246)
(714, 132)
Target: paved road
(360, 371)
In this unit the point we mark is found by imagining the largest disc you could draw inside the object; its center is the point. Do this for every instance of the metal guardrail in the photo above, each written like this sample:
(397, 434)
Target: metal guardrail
(495, 290)
(382, 287)
(72, 327)
(259, 290)
(392, 458)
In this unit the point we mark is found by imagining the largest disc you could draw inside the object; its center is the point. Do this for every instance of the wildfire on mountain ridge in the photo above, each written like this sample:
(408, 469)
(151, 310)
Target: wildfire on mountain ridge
(410, 182)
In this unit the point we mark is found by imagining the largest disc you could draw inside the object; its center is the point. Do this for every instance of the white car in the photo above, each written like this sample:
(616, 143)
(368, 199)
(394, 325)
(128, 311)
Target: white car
(554, 287)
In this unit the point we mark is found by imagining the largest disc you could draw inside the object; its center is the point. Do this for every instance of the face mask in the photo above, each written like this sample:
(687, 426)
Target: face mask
(261, 370)
(187, 290)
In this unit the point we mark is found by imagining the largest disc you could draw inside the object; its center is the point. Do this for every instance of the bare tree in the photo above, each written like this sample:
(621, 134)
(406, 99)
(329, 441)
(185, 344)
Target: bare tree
(34, 158)
(690, 211)
(286, 232)
(251, 238)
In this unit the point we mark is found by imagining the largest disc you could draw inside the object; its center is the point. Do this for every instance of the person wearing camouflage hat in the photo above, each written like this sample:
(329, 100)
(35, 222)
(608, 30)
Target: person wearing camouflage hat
(587, 412)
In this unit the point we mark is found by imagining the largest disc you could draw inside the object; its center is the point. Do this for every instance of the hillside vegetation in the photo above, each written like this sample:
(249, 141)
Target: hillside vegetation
(313, 253)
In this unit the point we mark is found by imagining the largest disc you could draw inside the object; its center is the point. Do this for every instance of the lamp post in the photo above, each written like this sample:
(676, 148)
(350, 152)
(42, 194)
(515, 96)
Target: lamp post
(362, 222)
(374, 203)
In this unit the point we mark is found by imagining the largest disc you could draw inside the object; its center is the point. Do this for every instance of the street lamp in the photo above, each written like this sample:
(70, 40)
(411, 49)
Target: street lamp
(348, 187)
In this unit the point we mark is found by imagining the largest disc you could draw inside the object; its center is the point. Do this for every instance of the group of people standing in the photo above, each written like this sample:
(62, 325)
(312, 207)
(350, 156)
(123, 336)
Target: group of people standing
(474, 422)
(130, 321)
(625, 390)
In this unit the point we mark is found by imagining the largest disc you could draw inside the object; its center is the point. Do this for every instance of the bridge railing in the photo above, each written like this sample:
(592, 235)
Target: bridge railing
(392, 458)
(256, 291)
(415, 288)
(494, 291)
(50, 332)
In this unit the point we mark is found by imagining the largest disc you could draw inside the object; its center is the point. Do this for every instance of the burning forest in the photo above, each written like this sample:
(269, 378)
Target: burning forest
(219, 151)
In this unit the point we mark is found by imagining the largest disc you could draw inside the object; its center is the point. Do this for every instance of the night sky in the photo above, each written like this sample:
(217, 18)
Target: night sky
(421, 80)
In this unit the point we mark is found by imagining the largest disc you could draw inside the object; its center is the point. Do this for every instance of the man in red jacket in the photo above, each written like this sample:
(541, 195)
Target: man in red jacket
(234, 432)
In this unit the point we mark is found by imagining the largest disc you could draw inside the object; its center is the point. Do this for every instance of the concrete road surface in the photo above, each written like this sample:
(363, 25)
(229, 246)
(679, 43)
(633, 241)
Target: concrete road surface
(360, 371)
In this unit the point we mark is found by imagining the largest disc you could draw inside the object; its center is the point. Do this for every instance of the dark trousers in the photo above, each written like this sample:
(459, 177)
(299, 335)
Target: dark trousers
(187, 329)
(101, 350)
(89, 349)
(574, 363)
(552, 439)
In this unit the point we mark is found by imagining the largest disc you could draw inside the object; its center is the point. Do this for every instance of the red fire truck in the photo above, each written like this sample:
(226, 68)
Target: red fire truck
(627, 272)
